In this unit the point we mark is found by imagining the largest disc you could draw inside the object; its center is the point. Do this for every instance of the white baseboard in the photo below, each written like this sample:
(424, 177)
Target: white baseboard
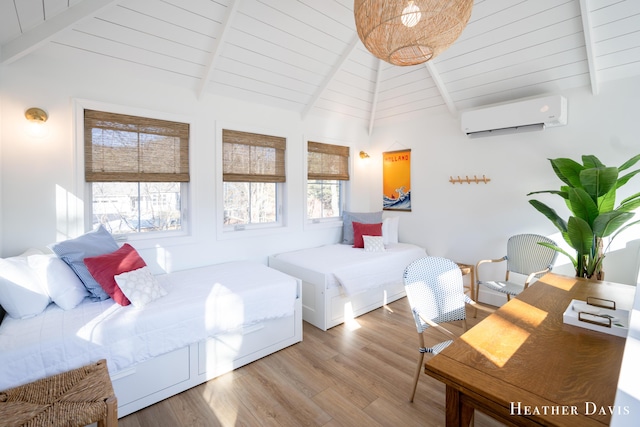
(491, 297)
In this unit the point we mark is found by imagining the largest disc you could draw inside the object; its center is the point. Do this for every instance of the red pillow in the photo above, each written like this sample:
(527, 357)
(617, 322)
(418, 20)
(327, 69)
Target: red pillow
(360, 229)
(103, 268)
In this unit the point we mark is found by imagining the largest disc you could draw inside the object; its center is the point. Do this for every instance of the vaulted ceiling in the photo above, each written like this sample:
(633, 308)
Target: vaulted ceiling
(305, 55)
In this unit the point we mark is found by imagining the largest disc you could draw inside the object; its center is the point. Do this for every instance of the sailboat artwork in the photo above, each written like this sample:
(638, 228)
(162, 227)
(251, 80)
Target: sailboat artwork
(396, 180)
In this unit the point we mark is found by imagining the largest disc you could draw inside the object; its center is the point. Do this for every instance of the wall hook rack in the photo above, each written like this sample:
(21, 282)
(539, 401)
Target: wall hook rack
(469, 180)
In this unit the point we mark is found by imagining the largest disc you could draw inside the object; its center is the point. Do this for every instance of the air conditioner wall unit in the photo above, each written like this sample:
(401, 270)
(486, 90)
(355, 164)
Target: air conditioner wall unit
(514, 117)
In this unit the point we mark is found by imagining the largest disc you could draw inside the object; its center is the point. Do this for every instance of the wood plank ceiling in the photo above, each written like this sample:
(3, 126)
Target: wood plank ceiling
(305, 55)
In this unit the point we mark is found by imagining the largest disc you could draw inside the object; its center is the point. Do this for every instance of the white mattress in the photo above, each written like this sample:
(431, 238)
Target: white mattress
(353, 268)
(200, 302)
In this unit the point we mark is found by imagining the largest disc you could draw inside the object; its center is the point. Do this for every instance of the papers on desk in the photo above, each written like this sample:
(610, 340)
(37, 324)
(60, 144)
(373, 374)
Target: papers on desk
(608, 320)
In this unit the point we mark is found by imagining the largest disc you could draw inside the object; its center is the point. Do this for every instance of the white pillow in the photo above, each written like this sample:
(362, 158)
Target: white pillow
(21, 294)
(59, 280)
(373, 243)
(74, 251)
(390, 229)
(140, 286)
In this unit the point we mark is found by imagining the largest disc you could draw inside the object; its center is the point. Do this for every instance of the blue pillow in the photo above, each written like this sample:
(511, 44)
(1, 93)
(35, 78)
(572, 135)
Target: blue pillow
(362, 217)
(74, 251)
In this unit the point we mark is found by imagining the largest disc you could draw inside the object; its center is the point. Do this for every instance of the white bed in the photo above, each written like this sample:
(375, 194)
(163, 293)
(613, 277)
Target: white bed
(213, 320)
(340, 282)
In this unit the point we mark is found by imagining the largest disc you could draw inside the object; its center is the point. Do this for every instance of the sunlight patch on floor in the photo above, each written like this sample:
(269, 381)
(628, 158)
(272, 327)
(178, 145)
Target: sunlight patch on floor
(350, 321)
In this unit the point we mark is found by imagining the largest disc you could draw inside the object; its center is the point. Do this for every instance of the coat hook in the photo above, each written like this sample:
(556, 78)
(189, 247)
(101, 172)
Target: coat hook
(468, 180)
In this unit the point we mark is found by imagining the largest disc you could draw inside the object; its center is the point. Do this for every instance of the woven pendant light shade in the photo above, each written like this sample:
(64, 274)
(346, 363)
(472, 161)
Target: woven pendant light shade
(410, 32)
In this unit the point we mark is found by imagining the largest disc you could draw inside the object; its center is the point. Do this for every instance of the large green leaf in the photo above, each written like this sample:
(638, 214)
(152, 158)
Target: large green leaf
(607, 202)
(625, 178)
(562, 251)
(567, 170)
(565, 189)
(629, 206)
(630, 203)
(591, 161)
(598, 181)
(624, 228)
(582, 205)
(580, 234)
(551, 214)
(632, 161)
(608, 222)
(562, 194)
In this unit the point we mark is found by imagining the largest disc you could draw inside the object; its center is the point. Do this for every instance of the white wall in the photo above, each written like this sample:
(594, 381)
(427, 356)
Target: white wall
(42, 185)
(469, 222)
(466, 222)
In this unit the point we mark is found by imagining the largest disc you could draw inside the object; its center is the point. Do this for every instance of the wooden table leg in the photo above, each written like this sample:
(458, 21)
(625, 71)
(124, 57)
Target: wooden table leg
(472, 279)
(457, 413)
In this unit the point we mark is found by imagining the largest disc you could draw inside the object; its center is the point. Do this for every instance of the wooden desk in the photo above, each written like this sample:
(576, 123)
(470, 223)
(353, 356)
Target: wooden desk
(523, 361)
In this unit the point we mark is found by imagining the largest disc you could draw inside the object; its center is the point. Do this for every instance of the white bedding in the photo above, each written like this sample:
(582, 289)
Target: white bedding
(201, 302)
(353, 268)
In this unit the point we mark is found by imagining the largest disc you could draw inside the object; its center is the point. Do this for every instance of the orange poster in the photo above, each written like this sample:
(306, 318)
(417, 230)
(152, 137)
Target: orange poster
(396, 180)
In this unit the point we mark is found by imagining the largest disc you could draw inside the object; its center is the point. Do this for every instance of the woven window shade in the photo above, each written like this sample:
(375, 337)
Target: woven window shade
(121, 148)
(327, 161)
(252, 157)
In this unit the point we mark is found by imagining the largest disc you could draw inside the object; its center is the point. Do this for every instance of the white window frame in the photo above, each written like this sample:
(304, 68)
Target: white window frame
(84, 188)
(345, 187)
(251, 226)
(342, 188)
(249, 230)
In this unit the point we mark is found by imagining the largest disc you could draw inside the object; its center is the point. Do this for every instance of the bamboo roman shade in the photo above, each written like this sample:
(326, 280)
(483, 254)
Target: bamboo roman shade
(327, 161)
(252, 157)
(122, 148)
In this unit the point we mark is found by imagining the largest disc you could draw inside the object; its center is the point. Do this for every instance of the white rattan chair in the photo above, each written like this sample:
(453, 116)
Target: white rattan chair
(435, 292)
(525, 256)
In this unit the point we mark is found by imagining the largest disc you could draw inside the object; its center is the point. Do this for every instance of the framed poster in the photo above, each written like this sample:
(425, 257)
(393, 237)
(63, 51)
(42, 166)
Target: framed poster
(396, 180)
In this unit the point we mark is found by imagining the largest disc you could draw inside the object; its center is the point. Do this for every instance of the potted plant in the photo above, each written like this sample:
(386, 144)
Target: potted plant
(589, 192)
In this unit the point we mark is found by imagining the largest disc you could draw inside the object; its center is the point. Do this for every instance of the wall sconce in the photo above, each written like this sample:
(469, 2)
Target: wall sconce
(363, 155)
(37, 118)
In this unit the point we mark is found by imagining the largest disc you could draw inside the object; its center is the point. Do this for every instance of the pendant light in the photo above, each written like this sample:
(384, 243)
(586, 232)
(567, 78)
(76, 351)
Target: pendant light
(410, 32)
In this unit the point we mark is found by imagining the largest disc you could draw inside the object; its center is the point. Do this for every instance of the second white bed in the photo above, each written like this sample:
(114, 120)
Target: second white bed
(341, 282)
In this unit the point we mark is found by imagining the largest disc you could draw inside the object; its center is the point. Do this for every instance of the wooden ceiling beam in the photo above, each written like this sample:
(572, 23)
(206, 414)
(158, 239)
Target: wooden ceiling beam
(215, 53)
(442, 88)
(41, 34)
(329, 77)
(374, 102)
(589, 45)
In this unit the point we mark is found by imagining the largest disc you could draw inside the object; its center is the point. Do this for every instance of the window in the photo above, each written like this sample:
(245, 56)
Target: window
(138, 169)
(327, 170)
(253, 173)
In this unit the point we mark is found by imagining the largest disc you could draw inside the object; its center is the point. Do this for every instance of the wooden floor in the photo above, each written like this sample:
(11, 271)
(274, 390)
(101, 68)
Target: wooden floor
(352, 375)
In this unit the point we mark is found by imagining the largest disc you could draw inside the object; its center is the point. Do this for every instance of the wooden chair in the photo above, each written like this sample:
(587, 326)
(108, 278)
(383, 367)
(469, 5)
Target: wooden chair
(75, 398)
(525, 256)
